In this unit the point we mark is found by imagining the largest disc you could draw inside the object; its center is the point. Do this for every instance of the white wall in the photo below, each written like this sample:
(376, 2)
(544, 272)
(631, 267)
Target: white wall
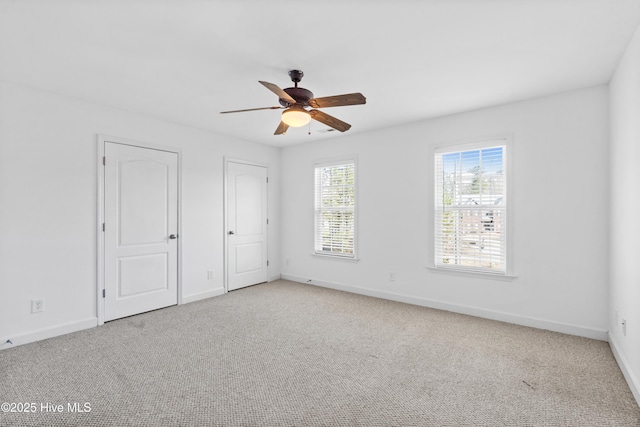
(625, 205)
(560, 166)
(48, 199)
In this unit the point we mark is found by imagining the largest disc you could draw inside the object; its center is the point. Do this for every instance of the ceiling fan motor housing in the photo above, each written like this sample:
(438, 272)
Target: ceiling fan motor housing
(300, 94)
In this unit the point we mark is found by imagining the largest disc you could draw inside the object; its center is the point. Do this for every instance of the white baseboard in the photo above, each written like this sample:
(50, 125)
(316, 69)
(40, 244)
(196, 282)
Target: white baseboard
(633, 382)
(202, 295)
(549, 325)
(50, 332)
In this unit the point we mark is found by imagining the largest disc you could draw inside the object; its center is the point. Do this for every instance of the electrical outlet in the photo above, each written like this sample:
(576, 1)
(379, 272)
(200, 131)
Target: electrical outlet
(392, 276)
(624, 326)
(209, 274)
(37, 305)
(286, 261)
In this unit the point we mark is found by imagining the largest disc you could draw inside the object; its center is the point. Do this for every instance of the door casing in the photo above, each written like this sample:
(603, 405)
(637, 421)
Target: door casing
(100, 218)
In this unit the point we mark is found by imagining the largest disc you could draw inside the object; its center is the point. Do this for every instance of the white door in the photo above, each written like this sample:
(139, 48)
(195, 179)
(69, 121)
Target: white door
(246, 225)
(141, 230)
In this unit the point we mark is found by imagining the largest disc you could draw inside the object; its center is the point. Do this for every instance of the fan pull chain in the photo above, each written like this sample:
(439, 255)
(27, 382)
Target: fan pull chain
(309, 133)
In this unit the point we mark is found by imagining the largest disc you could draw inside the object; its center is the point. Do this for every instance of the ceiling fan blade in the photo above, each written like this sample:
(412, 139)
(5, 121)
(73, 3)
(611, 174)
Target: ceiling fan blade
(329, 120)
(281, 93)
(252, 109)
(338, 100)
(282, 129)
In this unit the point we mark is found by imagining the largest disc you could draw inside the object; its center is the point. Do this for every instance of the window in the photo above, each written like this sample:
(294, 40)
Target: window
(335, 209)
(471, 207)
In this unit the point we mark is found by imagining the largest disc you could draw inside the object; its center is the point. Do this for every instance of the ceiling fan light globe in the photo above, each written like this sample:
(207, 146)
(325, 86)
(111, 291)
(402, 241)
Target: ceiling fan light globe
(295, 117)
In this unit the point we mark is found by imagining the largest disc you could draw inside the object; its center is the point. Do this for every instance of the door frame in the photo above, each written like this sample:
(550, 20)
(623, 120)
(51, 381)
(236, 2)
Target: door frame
(101, 140)
(226, 161)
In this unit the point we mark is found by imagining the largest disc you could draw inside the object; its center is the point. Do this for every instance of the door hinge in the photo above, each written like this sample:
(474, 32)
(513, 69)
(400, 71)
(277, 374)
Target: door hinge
(267, 180)
(104, 160)
(103, 226)
(104, 293)
(267, 263)
(267, 221)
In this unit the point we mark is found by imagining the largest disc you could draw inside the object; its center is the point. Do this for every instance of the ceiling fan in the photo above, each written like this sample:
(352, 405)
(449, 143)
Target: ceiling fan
(296, 100)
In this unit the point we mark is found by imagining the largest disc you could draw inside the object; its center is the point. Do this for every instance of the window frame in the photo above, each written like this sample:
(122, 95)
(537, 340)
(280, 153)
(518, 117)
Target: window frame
(470, 145)
(324, 164)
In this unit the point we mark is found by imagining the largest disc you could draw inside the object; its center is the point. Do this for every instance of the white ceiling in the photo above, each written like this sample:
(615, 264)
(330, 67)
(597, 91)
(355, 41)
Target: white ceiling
(185, 60)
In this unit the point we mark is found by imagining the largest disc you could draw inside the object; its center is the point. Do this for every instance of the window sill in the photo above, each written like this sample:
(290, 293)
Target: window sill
(477, 275)
(334, 257)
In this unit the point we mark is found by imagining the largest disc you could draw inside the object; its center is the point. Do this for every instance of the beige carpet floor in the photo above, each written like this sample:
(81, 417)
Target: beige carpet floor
(289, 354)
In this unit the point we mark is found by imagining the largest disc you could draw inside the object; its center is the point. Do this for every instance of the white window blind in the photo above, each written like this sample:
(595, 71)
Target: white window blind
(471, 208)
(335, 209)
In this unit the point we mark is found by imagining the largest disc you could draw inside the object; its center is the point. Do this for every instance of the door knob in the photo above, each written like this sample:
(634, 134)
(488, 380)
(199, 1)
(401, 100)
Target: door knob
(173, 236)
(231, 232)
